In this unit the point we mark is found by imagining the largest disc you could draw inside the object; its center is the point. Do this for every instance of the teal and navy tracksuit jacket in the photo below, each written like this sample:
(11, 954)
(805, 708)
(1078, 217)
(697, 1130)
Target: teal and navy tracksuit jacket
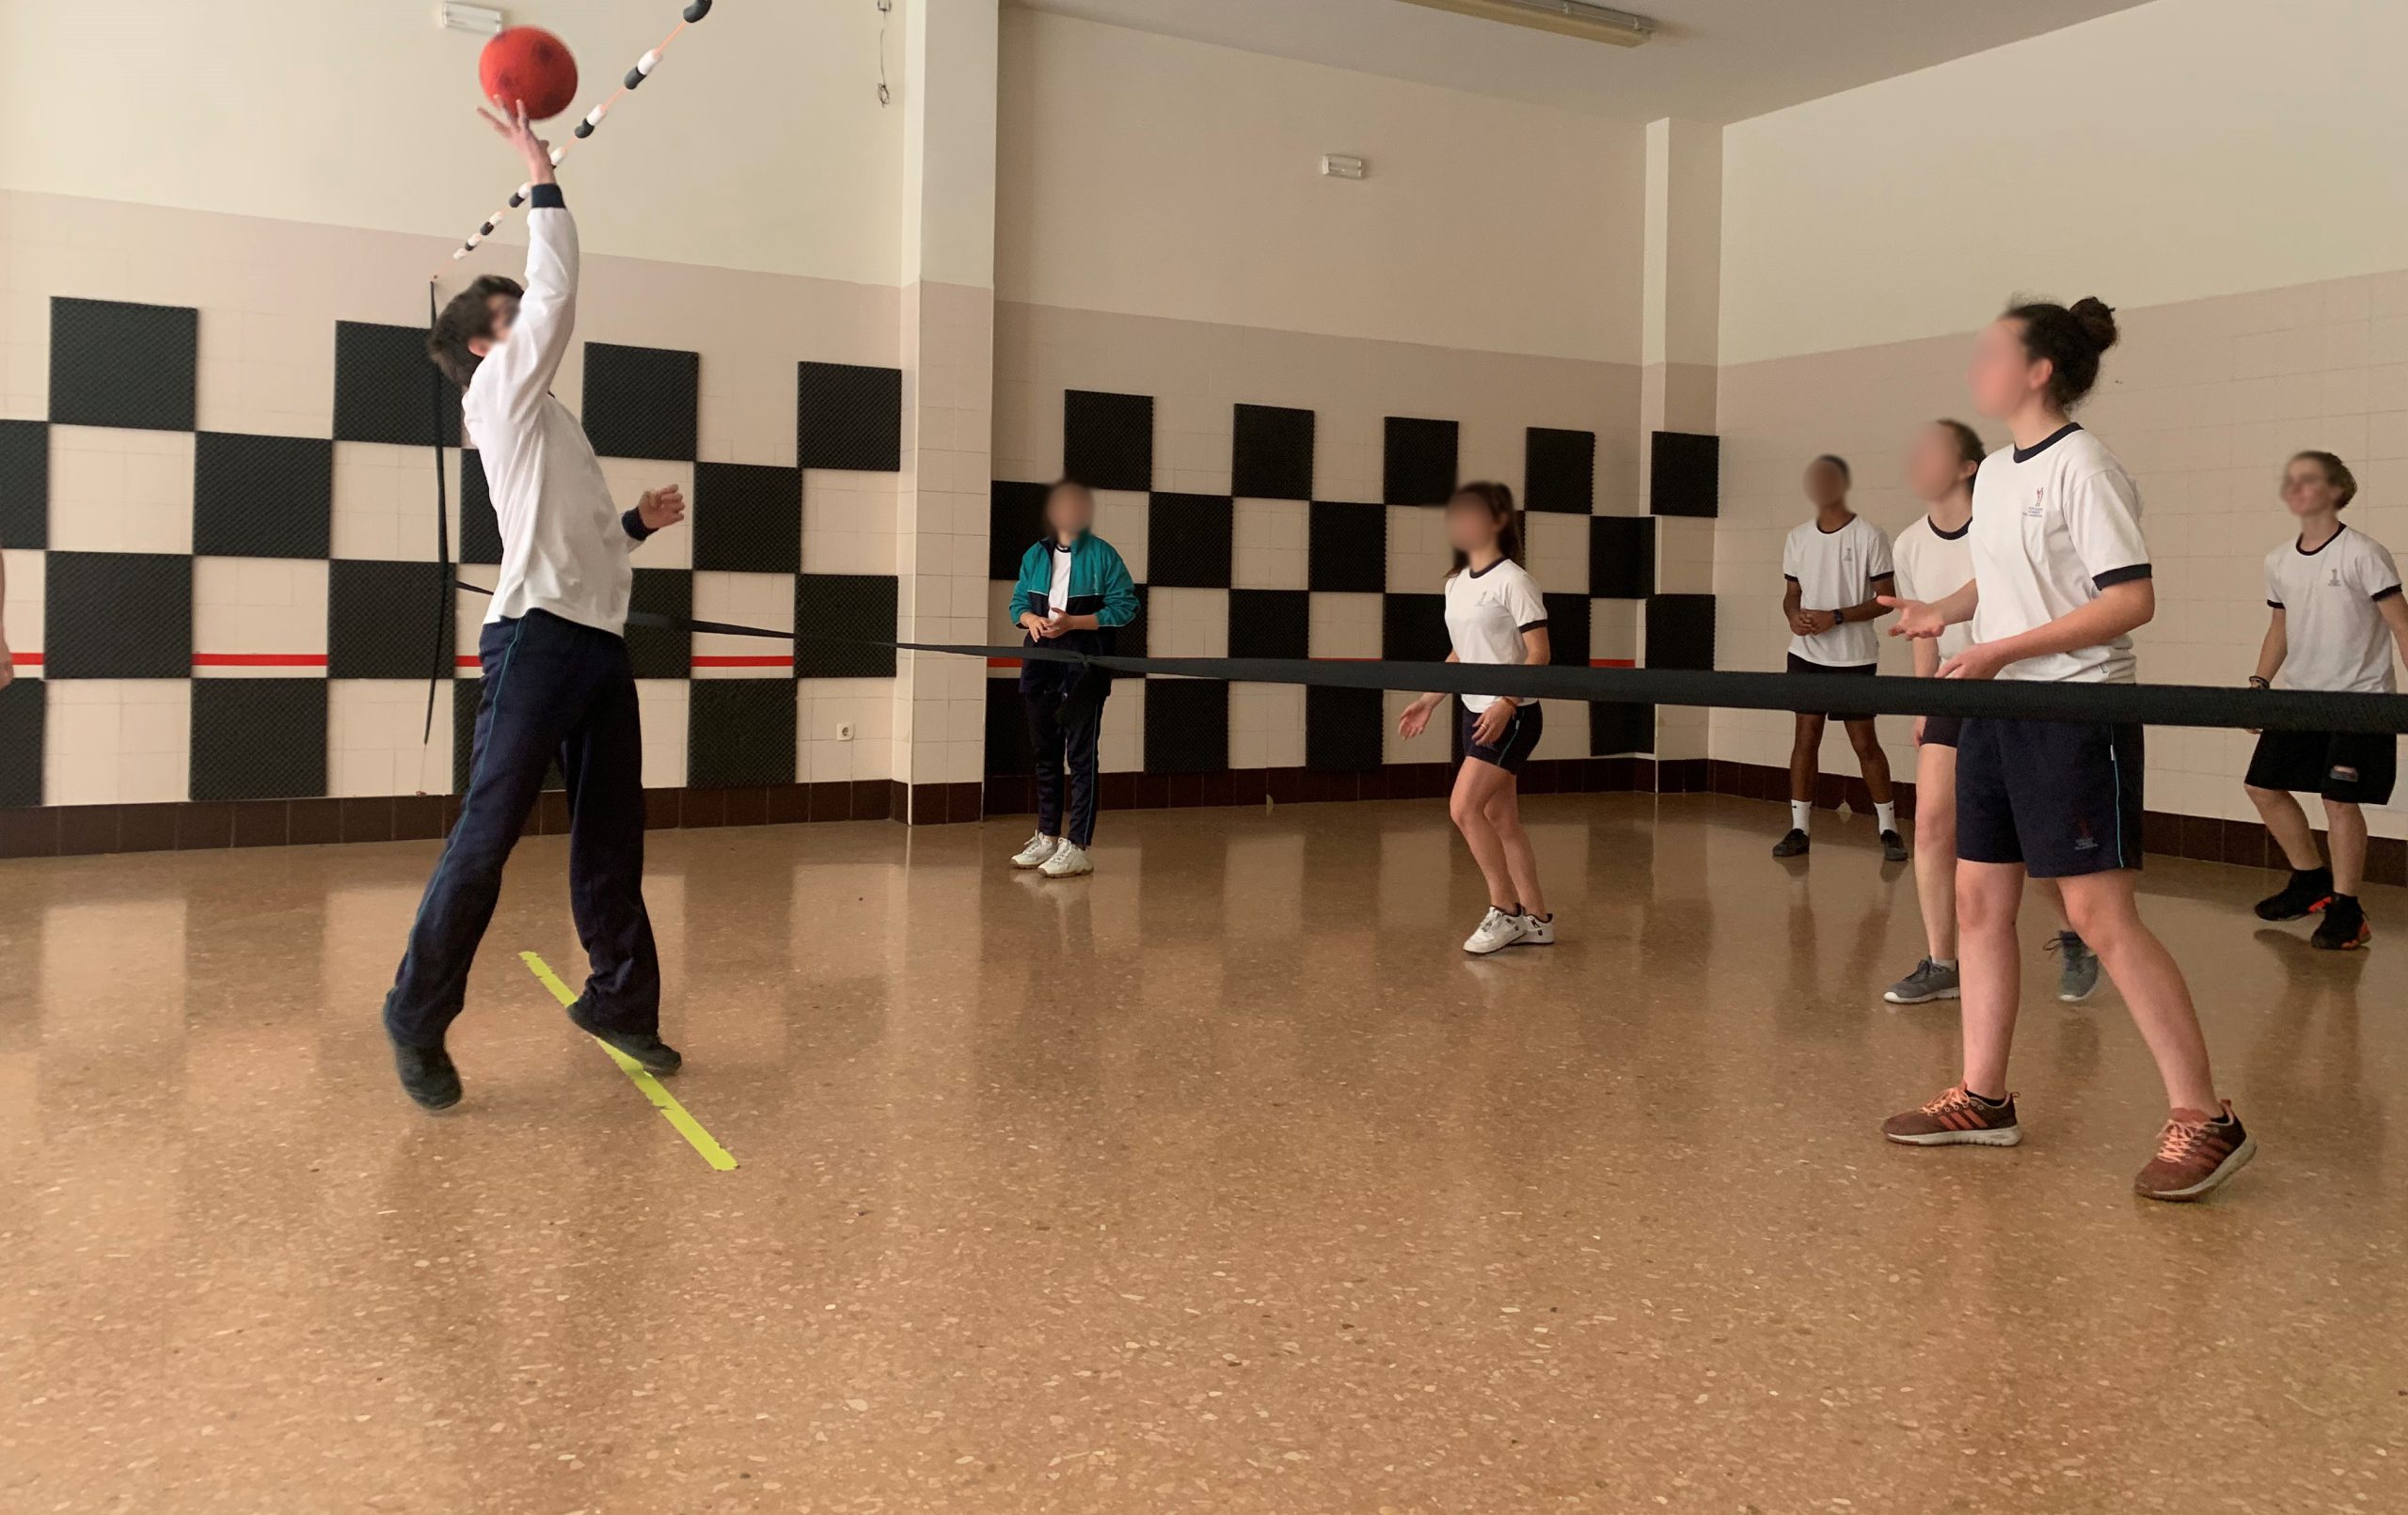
(1100, 587)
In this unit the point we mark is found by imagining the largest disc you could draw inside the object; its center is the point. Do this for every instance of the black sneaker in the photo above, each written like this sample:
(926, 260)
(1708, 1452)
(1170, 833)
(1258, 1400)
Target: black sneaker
(1894, 847)
(1792, 846)
(2344, 927)
(427, 1076)
(651, 1053)
(2308, 892)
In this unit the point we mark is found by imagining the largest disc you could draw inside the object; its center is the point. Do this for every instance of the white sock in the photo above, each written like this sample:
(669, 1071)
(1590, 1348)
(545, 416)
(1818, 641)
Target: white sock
(1888, 815)
(1800, 811)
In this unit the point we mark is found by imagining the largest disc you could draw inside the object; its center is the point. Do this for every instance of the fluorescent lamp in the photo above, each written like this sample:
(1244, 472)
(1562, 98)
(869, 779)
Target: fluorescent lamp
(481, 20)
(1570, 18)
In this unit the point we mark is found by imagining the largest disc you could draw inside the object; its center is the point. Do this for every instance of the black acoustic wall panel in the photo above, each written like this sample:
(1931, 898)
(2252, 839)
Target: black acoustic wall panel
(114, 363)
(1622, 557)
(263, 496)
(387, 387)
(1418, 466)
(848, 415)
(117, 615)
(1270, 624)
(1685, 477)
(1343, 729)
(661, 652)
(1187, 726)
(1108, 439)
(1348, 548)
(1009, 752)
(1616, 729)
(258, 738)
(748, 518)
(381, 619)
(1271, 454)
(479, 529)
(859, 607)
(642, 402)
(1567, 630)
(1680, 631)
(1559, 472)
(24, 707)
(739, 733)
(24, 484)
(1015, 520)
(1413, 628)
(1188, 541)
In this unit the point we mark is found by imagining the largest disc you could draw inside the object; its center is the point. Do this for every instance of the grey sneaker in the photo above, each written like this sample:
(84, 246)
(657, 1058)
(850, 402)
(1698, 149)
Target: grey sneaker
(1928, 982)
(2078, 975)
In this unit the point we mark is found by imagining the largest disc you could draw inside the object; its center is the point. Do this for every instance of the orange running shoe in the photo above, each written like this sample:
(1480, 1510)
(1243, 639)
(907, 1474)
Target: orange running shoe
(1956, 1118)
(2197, 1153)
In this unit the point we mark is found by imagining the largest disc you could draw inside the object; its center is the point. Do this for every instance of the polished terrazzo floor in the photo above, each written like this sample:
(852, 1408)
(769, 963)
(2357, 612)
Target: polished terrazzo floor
(1218, 1182)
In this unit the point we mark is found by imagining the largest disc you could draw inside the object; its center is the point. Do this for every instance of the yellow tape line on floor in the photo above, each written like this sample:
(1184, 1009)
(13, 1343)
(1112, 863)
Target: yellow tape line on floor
(688, 1126)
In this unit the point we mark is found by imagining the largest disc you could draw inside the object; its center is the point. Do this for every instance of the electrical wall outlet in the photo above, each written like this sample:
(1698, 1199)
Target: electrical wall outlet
(844, 731)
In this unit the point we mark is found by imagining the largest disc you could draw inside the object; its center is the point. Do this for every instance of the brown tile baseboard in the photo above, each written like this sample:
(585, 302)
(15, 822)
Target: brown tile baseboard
(69, 830)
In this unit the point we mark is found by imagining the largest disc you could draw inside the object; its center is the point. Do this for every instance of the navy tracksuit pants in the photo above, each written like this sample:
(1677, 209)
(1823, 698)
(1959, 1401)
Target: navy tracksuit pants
(552, 690)
(1065, 723)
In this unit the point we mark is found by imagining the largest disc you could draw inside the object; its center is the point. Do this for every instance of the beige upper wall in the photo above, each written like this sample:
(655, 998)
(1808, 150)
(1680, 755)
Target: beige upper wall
(2177, 150)
(1148, 176)
(759, 144)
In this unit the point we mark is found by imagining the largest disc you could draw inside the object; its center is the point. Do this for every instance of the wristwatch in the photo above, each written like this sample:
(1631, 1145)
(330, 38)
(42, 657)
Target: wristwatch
(2257, 682)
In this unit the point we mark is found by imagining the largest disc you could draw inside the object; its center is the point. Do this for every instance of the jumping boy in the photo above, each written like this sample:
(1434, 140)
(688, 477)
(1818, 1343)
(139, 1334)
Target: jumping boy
(557, 680)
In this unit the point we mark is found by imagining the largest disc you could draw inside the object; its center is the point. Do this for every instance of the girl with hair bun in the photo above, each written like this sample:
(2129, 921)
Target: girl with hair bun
(2061, 581)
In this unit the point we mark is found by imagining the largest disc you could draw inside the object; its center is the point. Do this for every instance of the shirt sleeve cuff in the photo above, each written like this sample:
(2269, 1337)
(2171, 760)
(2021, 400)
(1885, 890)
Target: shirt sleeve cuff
(633, 522)
(546, 197)
(2381, 595)
(2121, 576)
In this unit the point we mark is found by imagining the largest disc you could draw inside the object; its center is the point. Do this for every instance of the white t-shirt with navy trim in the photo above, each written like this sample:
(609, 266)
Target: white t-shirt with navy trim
(2332, 625)
(2054, 524)
(1834, 571)
(1932, 566)
(1488, 611)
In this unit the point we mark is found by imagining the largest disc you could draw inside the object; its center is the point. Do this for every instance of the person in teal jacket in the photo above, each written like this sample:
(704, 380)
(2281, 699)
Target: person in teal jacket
(1073, 592)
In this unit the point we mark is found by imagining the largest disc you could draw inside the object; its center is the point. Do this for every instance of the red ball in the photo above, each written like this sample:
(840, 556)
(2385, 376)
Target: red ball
(529, 64)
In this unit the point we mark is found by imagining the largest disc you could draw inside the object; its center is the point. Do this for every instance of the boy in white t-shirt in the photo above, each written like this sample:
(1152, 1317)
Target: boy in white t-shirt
(1836, 568)
(2338, 613)
(2061, 579)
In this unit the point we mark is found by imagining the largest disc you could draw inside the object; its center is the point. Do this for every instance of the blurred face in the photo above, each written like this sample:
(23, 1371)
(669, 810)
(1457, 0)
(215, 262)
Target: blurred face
(1069, 511)
(1934, 466)
(2306, 490)
(1825, 484)
(2003, 375)
(503, 309)
(1469, 527)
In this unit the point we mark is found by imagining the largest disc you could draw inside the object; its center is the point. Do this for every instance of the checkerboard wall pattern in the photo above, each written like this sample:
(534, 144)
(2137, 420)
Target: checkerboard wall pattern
(1277, 570)
(209, 615)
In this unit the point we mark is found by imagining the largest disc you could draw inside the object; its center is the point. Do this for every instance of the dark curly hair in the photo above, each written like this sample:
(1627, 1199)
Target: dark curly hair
(469, 315)
(2072, 339)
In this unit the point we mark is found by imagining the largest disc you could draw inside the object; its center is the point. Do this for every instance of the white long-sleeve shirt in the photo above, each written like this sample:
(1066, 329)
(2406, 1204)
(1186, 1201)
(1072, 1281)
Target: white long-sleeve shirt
(565, 544)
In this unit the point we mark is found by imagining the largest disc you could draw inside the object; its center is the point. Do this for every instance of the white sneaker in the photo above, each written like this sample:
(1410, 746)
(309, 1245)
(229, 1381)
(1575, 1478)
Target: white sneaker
(1537, 933)
(1069, 858)
(1041, 847)
(1497, 930)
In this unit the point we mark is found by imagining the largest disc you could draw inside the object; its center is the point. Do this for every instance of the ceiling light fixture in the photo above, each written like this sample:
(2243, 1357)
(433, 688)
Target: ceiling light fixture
(1570, 18)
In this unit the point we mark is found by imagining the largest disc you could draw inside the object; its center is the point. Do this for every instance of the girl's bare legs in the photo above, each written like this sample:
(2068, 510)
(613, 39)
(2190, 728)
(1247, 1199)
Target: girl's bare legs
(1935, 848)
(1989, 969)
(1476, 786)
(2102, 909)
(1504, 812)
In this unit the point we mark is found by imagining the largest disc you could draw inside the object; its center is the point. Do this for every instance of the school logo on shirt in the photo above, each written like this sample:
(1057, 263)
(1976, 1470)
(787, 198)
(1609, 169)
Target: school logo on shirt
(2038, 505)
(2334, 582)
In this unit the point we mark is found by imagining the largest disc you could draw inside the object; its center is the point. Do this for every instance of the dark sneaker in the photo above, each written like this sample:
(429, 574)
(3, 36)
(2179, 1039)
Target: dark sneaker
(2344, 927)
(427, 1076)
(651, 1053)
(2077, 971)
(1956, 1118)
(1928, 982)
(2309, 890)
(2195, 1155)
(1894, 847)
(1792, 846)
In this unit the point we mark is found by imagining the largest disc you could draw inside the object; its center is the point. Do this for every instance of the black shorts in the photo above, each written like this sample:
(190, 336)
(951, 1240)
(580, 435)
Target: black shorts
(2353, 767)
(1800, 665)
(2061, 797)
(1942, 731)
(1513, 748)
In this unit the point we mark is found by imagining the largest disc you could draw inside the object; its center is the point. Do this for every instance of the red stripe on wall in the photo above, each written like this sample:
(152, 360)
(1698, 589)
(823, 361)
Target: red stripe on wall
(259, 659)
(1003, 662)
(748, 661)
(1613, 662)
(468, 660)
(29, 659)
